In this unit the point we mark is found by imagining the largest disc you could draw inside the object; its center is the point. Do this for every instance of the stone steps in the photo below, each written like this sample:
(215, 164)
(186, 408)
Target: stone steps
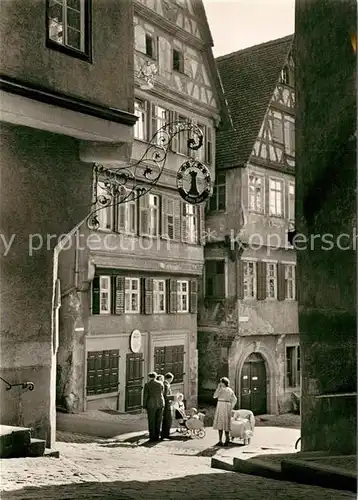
(17, 442)
(301, 467)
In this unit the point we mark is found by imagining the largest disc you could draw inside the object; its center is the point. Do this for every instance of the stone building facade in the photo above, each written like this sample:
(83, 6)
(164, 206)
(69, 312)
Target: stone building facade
(248, 315)
(66, 89)
(136, 305)
(326, 111)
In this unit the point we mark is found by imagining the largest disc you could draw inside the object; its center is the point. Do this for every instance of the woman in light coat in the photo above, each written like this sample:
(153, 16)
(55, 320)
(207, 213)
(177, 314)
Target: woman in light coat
(226, 403)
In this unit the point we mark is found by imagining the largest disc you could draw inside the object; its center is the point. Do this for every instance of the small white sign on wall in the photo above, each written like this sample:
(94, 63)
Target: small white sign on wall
(136, 341)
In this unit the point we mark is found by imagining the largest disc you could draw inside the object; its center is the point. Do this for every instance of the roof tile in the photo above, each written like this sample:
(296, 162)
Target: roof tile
(249, 77)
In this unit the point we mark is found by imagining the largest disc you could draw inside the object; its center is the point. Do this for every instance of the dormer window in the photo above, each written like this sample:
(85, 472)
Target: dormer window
(284, 77)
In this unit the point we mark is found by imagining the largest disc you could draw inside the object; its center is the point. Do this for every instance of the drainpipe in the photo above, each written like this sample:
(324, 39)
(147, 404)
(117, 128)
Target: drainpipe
(77, 259)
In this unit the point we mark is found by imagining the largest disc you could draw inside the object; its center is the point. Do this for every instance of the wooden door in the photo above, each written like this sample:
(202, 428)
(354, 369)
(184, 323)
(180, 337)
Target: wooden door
(253, 385)
(134, 381)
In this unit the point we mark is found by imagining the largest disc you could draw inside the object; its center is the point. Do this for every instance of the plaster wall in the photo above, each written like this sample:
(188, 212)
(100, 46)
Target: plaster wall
(45, 190)
(108, 80)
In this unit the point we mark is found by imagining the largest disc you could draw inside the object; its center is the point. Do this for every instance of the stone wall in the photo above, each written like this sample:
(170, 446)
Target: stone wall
(326, 205)
(45, 190)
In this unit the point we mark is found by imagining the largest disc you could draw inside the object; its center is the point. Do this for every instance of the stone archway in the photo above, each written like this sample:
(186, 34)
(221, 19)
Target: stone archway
(271, 368)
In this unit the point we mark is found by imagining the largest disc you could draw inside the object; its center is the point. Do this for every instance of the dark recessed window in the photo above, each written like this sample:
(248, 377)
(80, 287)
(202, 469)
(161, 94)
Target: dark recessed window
(69, 27)
(178, 62)
(149, 45)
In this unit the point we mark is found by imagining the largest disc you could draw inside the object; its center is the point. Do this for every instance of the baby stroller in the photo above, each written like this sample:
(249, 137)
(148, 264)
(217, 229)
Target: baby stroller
(242, 425)
(191, 426)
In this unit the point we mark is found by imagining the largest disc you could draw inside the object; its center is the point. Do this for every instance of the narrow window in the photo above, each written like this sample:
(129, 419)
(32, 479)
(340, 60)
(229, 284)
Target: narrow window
(178, 62)
(68, 25)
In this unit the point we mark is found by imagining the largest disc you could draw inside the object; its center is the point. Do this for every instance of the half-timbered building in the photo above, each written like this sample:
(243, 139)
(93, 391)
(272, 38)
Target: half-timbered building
(140, 311)
(248, 310)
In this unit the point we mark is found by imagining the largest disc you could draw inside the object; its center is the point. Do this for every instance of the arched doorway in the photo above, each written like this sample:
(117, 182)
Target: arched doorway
(253, 385)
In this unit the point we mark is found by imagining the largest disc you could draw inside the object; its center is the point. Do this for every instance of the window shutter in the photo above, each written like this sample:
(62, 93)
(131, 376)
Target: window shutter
(164, 216)
(148, 296)
(201, 224)
(208, 156)
(120, 284)
(177, 206)
(281, 284)
(240, 277)
(121, 217)
(153, 121)
(95, 295)
(144, 215)
(160, 211)
(172, 296)
(184, 231)
(175, 140)
(261, 281)
(193, 306)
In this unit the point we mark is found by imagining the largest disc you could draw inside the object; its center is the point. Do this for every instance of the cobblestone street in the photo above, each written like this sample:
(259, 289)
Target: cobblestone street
(100, 469)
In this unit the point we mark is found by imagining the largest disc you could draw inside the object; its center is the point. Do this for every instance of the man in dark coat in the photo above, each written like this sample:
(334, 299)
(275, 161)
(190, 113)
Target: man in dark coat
(153, 402)
(167, 414)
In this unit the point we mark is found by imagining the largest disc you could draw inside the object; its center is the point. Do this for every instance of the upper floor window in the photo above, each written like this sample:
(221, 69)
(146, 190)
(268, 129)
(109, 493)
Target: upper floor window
(178, 61)
(160, 117)
(159, 296)
(289, 135)
(68, 25)
(149, 215)
(189, 223)
(215, 278)
(183, 296)
(140, 127)
(291, 201)
(182, 138)
(104, 295)
(271, 280)
(104, 214)
(127, 215)
(276, 197)
(218, 199)
(256, 193)
(290, 281)
(132, 295)
(250, 279)
(149, 45)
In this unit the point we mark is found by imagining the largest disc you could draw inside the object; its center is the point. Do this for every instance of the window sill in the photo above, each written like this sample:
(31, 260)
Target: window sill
(274, 216)
(128, 312)
(84, 56)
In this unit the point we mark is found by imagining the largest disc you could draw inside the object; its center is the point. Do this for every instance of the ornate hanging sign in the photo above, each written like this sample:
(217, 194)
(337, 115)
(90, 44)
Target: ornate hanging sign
(194, 181)
(114, 186)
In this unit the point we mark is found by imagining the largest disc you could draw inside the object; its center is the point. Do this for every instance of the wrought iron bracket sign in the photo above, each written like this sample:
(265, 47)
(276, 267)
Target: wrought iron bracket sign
(117, 185)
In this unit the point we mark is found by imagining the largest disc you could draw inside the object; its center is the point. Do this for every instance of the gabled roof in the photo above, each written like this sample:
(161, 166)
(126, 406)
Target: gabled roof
(249, 77)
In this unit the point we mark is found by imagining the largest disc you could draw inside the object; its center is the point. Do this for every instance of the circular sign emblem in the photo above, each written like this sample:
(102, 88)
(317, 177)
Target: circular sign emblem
(194, 181)
(136, 341)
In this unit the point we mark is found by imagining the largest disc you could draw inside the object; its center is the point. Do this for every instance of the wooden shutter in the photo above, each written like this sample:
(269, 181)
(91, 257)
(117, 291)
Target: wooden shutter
(121, 214)
(144, 215)
(172, 296)
(201, 224)
(95, 295)
(160, 210)
(177, 207)
(184, 230)
(154, 121)
(120, 291)
(193, 305)
(148, 296)
(164, 217)
(209, 151)
(261, 281)
(175, 140)
(240, 279)
(281, 283)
